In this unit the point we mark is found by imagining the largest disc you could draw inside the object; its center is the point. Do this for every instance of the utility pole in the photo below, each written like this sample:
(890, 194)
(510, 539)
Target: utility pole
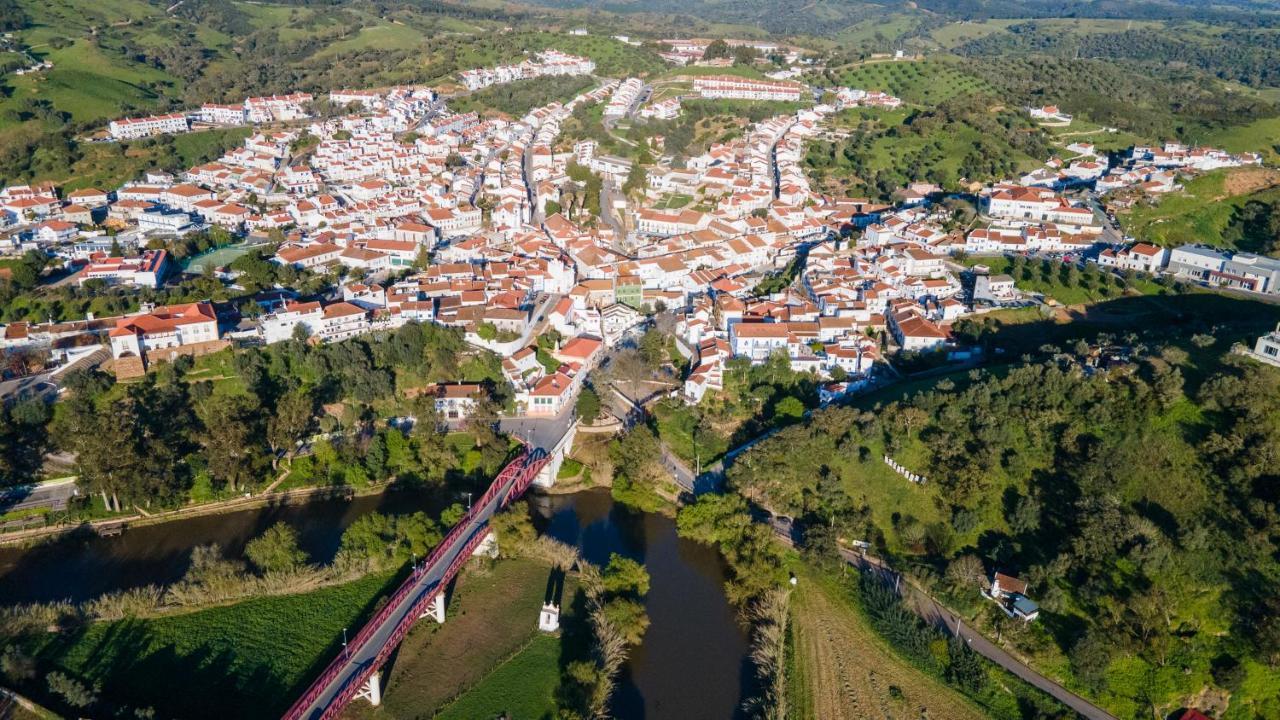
(344, 642)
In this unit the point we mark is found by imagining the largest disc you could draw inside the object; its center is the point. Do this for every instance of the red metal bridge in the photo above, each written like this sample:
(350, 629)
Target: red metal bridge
(351, 672)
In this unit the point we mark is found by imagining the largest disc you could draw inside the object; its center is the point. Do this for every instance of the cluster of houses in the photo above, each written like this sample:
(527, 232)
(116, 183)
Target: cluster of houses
(623, 98)
(692, 51)
(1199, 263)
(847, 97)
(546, 63)
(457, 224)
(1143, 170)
(254, 110)
(733, 87)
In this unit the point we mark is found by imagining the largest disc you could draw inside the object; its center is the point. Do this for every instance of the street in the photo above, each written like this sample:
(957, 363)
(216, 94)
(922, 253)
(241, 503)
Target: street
(540, 432)
(52, 493)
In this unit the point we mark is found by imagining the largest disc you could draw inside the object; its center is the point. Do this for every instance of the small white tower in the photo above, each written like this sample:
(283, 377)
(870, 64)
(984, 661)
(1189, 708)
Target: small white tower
(549, 618)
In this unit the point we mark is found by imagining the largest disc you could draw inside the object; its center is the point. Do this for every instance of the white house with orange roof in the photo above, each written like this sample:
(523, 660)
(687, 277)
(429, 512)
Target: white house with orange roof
(164, 327)
(551, 395)
(281, 324)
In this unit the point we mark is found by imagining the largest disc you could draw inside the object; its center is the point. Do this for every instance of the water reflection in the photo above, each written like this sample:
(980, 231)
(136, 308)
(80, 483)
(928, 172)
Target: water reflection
(693, 661)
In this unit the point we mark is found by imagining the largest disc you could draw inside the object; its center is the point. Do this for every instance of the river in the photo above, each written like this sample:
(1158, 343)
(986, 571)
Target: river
(83, 565)
(692, 662)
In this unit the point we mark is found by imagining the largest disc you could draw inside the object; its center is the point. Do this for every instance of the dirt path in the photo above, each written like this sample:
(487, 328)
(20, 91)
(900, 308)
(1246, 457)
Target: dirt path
(847, 673)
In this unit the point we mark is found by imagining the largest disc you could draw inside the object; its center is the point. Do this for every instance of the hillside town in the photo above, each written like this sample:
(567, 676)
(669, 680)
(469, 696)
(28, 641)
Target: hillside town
(639, 359)
(422, 214)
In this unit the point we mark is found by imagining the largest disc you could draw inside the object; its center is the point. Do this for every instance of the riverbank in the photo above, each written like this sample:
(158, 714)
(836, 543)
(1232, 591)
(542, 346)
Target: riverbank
(294, 496)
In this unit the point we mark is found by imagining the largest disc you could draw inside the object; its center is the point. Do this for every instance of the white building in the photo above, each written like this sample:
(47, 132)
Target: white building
(165, 327)
(729, 87)
(133, 128)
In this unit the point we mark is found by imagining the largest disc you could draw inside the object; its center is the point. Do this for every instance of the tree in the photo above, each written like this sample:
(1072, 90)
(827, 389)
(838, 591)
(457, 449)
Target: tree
(789, 409)
(451, 515)
(295, 411)
(637, 179)
(624, 576)
(965, 573)
(628, 617)
(232, 439)
(588, 405)
(72, 691)
(744, 55)
(717, 48)
(653, 348)
(276, 550)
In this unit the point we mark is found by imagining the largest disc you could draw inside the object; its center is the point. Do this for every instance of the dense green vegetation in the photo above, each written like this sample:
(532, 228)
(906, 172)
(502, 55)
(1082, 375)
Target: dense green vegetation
(1124, 483)
(1213, 209)
(961, 140)
(1151, 103)
(520, 97)
(225, 423)
(1251, 57)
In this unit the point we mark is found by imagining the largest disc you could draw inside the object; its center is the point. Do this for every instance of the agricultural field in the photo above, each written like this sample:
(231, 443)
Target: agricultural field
(488, 657)
(522, 687)
(922, 82)
(842, 670)
(243, 660)
(1202, 212)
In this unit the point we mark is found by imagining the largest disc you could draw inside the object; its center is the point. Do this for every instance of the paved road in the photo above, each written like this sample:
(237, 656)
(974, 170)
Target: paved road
(47, 382)
(540, 432)
(362, 657)
(54, 494)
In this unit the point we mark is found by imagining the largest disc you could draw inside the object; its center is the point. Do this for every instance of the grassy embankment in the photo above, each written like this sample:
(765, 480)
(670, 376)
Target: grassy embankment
(488, 657)
(1203, 210)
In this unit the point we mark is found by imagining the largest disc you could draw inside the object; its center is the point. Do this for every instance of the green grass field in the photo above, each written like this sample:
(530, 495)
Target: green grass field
(90, 86)
(487, 657)
(523, 687)
(1262, 136)
(245, 660)
(1201, 212)
(673, 201)
(382, 37)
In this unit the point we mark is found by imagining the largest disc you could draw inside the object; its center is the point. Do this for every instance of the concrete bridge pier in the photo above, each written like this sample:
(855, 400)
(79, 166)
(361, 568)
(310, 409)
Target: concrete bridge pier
(547, 476)
(372, 689)
(435, 609)
(488, 547)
